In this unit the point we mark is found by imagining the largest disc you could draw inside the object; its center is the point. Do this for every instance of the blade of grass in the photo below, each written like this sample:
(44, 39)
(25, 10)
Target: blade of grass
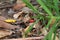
(49, 22)
(54, 37)
(45, 7)
(59, 36)
(49, 35)
(56, 6)
(48, 4)
(39, 15)
(31, 6)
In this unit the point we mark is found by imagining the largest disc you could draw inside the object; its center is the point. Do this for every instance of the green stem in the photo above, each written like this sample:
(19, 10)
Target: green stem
(45, 7)
(54, 35)
(49, 22)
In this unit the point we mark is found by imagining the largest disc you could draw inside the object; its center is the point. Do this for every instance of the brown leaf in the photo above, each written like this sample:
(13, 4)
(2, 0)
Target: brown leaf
(53, 21)
(2, 18)
(18, 6)
(4, 33)
(7, 26)
(26, 18)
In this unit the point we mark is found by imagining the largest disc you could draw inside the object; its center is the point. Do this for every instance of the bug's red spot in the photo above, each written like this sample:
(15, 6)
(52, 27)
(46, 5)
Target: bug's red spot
(31, 21)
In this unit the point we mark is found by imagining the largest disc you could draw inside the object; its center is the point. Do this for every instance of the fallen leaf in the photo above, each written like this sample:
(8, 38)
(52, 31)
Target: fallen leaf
(26, 18)
(19, 6)
(15, 16)
(7, 25)
(2, 18)
(4, 33)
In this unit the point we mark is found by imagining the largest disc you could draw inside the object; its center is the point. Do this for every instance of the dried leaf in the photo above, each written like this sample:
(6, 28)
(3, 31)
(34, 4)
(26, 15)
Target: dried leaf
(26, 10)
(7, 26)
(26, 18)
(44, 31)
(4, 33)
(53, 21)
(2, 18)
(17, 15)
(19, 6)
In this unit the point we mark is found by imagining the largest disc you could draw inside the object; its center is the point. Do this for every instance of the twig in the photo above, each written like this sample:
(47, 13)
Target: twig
(30, 38)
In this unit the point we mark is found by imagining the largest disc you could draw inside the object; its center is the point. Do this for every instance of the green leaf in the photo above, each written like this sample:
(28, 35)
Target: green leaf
(54, 37)
(49, 22)
(45, 7)
(56, 7)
